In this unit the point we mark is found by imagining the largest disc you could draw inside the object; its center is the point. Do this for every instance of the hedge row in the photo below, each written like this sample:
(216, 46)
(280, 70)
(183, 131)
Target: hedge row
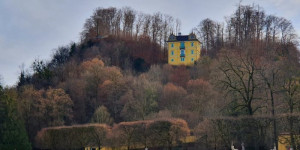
(137, 134)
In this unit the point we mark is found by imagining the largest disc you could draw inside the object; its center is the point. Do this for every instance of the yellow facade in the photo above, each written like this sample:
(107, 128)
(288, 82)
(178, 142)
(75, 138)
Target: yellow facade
(284, 141)
(97, 148)
(183, 50)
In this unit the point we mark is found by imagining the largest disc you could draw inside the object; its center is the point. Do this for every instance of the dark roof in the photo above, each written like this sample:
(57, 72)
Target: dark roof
(181, 38)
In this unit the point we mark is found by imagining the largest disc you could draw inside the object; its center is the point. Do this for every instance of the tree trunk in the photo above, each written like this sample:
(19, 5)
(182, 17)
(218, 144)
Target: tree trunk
(274, 120)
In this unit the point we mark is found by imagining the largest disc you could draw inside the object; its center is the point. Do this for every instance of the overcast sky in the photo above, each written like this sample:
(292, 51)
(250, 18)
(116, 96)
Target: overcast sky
(31, 29)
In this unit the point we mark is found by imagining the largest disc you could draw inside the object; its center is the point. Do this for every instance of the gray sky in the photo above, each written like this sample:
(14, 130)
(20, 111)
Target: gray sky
(31, 29)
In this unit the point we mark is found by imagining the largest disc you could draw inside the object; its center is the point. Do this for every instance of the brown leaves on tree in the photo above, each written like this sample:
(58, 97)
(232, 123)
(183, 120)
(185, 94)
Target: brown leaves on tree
(180, 76)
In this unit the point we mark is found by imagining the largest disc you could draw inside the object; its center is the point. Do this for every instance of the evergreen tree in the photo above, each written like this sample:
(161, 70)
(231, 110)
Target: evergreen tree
(12, 130)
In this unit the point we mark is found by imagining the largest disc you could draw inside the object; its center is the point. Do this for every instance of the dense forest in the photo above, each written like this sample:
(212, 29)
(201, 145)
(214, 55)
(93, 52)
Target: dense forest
(116, 81)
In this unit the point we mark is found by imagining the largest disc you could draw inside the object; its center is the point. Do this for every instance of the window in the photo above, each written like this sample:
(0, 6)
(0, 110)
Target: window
(192, 59)
(182, 45)
(172, 60)
(192, 44)
(181, 52)
(182, 58)
(172, 37)
(172, 52)
(192, 51)
(172, 44)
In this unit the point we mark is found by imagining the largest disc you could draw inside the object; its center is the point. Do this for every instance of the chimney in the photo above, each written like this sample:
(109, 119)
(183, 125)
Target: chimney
(179, 33)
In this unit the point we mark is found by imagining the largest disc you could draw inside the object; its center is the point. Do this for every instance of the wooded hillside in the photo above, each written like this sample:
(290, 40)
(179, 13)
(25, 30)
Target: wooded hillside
(244, 89)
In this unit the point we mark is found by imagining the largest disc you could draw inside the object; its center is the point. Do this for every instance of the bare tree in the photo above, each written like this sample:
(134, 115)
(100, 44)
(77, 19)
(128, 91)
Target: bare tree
(207, 29)
(177, 26)
(259, 22)
(116, 23)
(138, 24)
(166, 31)
(287, 31)
(129, 16)
(291, 90)
(156, 24)
(271, 76)
(146, 25)
(219, 35)
(240, 78)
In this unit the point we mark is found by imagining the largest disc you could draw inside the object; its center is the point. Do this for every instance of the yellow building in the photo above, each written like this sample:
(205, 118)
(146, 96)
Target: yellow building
(97, 148)
(284, 141)
(183, 49)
